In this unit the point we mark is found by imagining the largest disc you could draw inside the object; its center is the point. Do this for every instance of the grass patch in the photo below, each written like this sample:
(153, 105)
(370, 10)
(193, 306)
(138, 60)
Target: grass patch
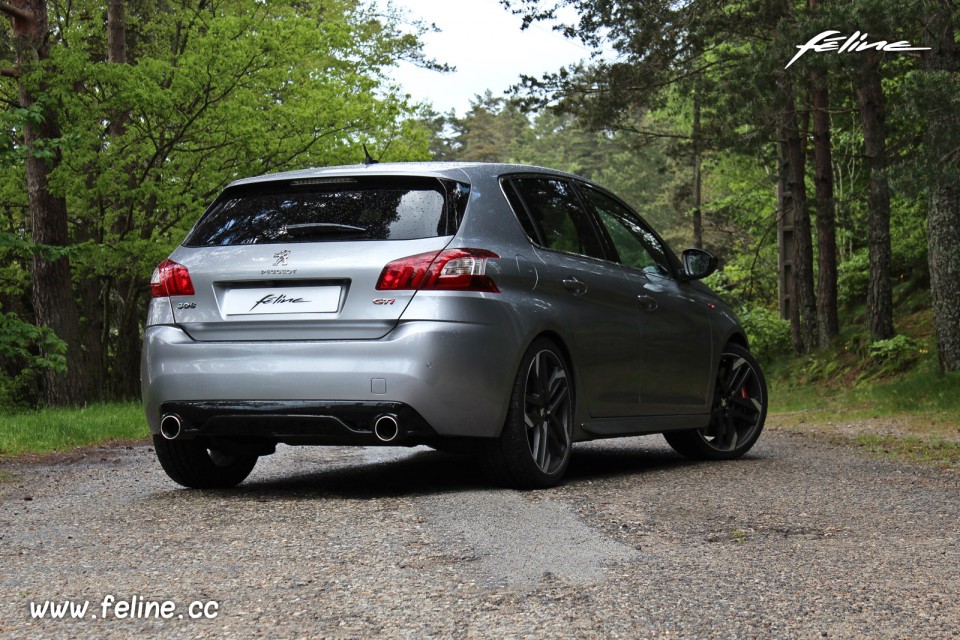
(897, 406)
(913, 448)
(60, 429)
(922, 393)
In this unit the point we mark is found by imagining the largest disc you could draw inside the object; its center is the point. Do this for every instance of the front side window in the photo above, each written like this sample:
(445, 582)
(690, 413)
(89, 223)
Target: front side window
(636, 245)
(345, 209)
(555, 212)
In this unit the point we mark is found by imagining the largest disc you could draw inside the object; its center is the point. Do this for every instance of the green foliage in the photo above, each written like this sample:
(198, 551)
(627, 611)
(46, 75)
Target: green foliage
(18, 337)
(496, 129)
(769, 335)
(895, 354)
(26, 351)
(211, 92)
(62, 429)
(853, 278)
(852, 390)
(908, 236)
(25, 248)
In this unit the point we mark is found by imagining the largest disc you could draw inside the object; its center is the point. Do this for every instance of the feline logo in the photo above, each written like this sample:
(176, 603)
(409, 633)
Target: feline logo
(827, 41)
(274, 298)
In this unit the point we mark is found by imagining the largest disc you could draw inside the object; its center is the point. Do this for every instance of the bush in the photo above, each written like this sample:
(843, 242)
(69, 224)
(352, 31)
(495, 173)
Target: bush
(897, 354)
(853, 279)
(769, 335)
(26, 350)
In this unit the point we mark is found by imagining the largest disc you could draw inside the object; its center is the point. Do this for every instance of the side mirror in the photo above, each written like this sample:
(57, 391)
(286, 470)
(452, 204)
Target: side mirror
(698, 264)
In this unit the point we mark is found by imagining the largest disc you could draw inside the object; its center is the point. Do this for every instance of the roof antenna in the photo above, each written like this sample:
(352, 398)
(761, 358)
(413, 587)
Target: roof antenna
(368, 159)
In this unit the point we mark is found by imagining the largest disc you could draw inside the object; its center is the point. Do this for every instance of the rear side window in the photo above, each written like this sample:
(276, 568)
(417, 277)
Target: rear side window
(559, 220)
(327, 210)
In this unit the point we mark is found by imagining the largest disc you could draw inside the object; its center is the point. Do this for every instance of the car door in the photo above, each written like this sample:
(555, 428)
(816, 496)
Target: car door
(672, 316)
(586, 291)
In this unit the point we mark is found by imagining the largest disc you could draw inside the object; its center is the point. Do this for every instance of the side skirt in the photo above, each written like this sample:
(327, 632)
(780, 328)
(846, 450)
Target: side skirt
(615, 427)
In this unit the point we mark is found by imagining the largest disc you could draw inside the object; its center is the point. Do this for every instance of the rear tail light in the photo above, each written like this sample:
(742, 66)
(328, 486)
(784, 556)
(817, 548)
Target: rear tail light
(450, 270)
(170, 279)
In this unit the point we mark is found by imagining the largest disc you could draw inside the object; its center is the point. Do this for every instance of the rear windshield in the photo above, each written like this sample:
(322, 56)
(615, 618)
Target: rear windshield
(329, 210)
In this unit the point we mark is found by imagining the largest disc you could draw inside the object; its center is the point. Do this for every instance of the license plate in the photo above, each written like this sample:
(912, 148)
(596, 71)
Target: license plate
(279, 300)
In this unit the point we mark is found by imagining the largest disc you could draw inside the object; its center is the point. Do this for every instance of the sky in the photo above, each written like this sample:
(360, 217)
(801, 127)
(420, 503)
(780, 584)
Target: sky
(484, 42)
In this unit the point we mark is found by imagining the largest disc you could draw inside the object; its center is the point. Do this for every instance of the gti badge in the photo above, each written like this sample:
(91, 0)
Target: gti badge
(281, 257)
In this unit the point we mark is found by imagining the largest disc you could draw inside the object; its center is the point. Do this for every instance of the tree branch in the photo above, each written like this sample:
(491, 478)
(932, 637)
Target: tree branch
(650, 134)
(16, 12)
(9, 72)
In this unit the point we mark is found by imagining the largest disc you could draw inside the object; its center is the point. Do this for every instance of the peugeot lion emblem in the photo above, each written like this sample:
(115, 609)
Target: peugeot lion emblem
(281, 257)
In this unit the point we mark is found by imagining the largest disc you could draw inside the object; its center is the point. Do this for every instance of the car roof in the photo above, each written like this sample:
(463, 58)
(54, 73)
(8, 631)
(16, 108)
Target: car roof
(452, 170)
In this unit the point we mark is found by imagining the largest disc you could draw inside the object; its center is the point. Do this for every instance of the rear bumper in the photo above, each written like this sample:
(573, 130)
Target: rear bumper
(454, 377)
(300, 422)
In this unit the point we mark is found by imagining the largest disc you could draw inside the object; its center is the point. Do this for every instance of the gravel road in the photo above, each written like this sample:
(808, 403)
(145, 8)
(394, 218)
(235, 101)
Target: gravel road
(802, 539)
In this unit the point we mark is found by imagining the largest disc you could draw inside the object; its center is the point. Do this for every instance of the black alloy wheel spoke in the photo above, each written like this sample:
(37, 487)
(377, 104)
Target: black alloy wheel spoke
(558, 392)
(739, 377)
(543, 446)
(558, 434)
(744, 408)
(730, 441)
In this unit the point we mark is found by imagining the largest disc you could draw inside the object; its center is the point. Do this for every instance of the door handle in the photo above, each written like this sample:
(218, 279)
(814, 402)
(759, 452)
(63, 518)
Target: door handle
(574, 286)
(647, 302)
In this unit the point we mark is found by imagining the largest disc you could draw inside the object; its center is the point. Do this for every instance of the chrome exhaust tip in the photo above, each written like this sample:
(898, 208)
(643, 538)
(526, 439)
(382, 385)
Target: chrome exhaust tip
(171, 426)
(386, 428)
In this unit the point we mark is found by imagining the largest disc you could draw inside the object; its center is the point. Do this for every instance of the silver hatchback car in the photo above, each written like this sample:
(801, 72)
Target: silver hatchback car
(503, 309)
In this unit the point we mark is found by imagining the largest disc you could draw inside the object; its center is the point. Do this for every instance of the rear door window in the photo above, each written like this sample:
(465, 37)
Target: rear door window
(637, 246)
(325, 210)
(555, 216)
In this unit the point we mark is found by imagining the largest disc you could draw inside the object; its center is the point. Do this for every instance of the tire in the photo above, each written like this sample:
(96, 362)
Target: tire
(737, 415)
(534, 448)
(191, 464)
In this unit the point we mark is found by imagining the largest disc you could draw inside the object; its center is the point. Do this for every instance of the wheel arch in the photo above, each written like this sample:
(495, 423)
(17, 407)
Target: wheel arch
(554, 337)
(738, 338)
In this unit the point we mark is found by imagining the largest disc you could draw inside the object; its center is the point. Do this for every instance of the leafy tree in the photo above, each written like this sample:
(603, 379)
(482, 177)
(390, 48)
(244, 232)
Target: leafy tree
(158, 107)
(497, 129)
(488, 132)
(42, 155)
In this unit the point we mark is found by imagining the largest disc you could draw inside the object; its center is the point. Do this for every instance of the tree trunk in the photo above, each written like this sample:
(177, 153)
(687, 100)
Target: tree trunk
(828, 321)
(126, 305)
(873, 116)
(52, 294)
(785, 245)
(116, 32)
(943, 237)
(697, 164)
(129, 311)
(943, 223)
(804, 302)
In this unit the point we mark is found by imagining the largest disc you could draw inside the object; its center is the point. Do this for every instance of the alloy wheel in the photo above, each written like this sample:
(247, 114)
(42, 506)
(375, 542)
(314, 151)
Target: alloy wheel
(738, 404)
(547, 411)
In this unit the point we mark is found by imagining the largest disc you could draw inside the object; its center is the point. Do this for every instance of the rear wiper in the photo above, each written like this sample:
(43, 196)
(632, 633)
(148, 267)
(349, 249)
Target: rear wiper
(326, 228)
